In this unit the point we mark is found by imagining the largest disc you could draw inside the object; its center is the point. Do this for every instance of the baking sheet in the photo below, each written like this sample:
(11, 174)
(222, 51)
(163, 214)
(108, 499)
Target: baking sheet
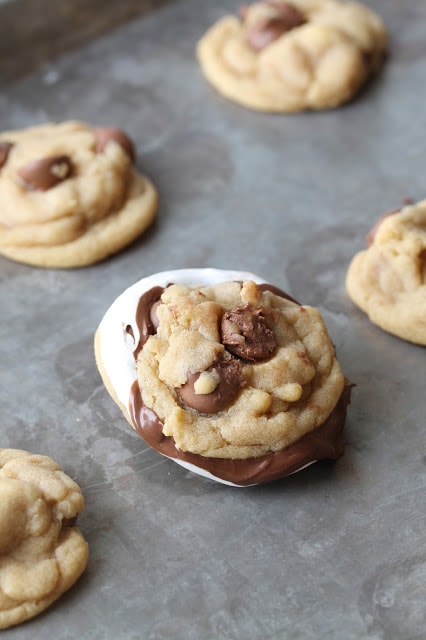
(336, 551)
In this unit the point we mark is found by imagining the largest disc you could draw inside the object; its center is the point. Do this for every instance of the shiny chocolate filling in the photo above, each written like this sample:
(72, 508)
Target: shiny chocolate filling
(145, 321)
(323, 443)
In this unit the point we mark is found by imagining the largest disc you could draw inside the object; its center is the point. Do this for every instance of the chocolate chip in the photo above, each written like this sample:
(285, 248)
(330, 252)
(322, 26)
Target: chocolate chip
(45, 173)
(230, 379)
(246, 334)
(104, 135)
(5, 148)
(268, 29)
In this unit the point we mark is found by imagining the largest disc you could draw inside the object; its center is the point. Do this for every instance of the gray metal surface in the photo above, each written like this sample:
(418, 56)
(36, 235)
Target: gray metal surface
(334, 552)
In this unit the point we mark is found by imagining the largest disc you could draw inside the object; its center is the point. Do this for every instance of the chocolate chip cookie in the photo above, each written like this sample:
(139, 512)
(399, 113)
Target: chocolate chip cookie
(224, 373)
(387, 280)
(42, 552)
(70, 194)
(293, 56)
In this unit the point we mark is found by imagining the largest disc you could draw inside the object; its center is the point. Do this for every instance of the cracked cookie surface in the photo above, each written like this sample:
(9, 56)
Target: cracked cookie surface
(42, 553)
(70, 195)
(388, 279)
(284, 57)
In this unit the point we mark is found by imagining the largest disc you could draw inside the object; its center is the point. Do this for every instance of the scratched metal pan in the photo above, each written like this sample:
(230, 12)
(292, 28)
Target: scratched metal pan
(335, 551)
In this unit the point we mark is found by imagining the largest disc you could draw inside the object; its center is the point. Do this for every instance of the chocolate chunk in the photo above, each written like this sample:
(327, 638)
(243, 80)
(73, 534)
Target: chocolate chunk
(268, 29)
(230, 379)
(103, 135)
(5, 148)
(246, 334)
(45, 173)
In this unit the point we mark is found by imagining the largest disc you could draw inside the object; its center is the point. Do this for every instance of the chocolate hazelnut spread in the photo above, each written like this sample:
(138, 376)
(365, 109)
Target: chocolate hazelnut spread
(324, 442)
(145, 319)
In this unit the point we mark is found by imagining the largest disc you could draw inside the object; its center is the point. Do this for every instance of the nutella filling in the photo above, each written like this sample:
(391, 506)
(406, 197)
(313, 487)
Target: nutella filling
(145, 319)
(324, 442)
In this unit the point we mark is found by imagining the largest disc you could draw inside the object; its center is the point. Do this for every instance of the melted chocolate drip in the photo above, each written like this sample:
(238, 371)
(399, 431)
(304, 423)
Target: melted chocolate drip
(144, 319)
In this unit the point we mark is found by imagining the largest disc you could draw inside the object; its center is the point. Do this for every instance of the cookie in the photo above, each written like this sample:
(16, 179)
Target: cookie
(42, 552)
(388, 279)
(279, 56)
(70, 195)
(224, 373)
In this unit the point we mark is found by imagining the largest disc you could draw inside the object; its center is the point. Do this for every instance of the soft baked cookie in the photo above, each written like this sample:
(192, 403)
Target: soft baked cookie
(42, 552)
(70, 195)
(388, 279)
(224, 373)
(293, 56)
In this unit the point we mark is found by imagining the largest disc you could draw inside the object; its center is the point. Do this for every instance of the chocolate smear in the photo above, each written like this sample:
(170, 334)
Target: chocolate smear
(323, 443)
(146, 318)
